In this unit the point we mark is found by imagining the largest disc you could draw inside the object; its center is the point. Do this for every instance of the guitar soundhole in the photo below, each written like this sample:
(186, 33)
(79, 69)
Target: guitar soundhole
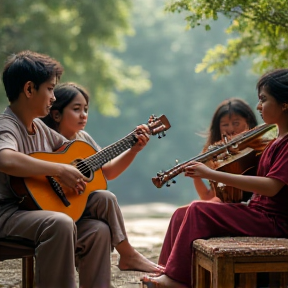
(83, 168)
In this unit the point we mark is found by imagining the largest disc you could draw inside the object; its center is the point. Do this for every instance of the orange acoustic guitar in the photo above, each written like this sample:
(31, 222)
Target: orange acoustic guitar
(45, 193)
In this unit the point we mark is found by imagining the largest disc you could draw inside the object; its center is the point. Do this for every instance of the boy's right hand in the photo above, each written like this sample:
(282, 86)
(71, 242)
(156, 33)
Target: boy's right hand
(72, 178)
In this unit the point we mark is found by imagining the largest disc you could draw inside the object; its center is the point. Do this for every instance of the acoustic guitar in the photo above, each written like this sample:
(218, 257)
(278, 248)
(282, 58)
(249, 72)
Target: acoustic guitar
(46, 193)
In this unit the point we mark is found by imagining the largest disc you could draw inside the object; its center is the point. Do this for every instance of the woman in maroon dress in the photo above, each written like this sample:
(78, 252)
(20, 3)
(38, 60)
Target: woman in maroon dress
(231, 117)
(266, 215)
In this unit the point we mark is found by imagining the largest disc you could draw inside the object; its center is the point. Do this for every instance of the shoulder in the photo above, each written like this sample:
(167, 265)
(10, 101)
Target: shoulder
(10, 125)
(48, 133)
(8, 120)
(83, 135)
(279, 145)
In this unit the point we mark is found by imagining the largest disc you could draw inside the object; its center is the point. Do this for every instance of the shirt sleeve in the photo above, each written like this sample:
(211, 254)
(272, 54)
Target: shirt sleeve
(8, 136)
(82, 135)
(8, 141)
(279, 165)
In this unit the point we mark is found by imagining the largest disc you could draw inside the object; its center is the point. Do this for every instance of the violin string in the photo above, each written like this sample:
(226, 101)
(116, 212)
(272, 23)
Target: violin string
(177, 169)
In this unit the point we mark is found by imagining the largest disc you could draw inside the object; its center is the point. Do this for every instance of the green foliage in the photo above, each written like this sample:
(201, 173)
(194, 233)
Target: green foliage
(163, 47)
(82, 35)
(258, 29)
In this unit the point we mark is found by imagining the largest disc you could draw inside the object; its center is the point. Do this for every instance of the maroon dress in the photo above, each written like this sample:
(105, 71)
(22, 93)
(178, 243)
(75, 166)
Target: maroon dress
(263, 217)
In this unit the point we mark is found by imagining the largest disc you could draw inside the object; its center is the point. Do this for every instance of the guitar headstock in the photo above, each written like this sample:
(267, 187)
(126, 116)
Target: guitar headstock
(158, 125)
(167, 177)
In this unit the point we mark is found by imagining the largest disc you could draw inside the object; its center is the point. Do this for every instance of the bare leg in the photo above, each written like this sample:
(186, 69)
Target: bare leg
(162, 281)
(103, 205)
(131, 259)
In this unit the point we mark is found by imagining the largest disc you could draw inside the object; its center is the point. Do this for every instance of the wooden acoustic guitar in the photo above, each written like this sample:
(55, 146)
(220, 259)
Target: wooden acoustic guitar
(46, 193)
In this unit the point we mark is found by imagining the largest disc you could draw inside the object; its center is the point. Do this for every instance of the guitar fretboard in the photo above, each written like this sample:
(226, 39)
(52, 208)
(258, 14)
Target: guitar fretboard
(108, 153)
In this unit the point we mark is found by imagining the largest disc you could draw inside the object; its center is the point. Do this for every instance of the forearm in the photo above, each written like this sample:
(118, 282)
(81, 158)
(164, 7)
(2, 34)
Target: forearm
(21, 165)
(118, 165)
(202, 190)
(260, 185)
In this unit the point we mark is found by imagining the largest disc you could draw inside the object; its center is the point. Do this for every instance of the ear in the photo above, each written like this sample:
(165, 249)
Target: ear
(56, 115)
(28, 87)
(284, 106)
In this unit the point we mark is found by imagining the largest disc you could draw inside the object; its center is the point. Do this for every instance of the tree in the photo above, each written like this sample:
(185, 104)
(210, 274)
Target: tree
(82, 35)
(258, 29)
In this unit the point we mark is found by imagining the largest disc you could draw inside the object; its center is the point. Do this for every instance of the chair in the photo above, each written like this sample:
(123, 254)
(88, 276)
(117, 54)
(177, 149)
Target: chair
(217, 262)
(10, 249)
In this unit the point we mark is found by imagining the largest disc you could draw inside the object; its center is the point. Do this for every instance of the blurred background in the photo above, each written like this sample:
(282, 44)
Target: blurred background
(136, 58)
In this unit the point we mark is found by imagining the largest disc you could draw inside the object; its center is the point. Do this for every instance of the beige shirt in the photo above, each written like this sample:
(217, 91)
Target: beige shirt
(82, 135)
(14, 136)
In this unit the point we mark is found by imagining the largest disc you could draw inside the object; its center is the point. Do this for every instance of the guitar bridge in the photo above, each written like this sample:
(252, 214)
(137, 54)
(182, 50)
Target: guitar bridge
(58, 190)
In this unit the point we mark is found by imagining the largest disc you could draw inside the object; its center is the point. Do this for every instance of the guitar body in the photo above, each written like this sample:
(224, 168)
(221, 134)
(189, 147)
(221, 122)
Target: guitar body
(37, 192)
(46, 193)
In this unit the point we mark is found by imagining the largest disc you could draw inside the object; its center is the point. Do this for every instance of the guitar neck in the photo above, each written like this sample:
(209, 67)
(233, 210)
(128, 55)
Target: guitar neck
(108, 153)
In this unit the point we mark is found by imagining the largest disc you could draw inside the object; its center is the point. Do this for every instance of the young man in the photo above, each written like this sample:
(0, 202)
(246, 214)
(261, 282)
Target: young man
(29, 79)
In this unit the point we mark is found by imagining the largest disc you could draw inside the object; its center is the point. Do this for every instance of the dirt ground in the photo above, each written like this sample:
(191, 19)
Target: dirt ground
(146, 226)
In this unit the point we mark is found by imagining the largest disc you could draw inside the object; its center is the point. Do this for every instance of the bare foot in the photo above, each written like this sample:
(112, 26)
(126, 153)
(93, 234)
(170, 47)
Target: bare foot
(162, 281)
(137, 262)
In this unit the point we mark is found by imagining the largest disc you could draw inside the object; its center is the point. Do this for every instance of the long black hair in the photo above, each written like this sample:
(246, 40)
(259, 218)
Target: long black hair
(64, 94)
(275, 83)
(229, 106)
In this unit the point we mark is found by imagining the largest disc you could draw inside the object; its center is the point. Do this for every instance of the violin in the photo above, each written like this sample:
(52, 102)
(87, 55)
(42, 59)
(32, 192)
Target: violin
(240, 155)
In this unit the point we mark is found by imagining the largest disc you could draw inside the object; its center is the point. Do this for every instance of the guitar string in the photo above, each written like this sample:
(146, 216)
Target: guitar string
(90, 161)
(86, 164)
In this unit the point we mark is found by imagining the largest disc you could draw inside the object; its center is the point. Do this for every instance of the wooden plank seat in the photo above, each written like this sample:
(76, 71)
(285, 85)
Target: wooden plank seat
(228, 262)
(10, 249)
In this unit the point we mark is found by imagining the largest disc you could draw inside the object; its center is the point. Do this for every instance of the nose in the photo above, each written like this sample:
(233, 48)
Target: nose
(84, 114)
(259, 106)
(230, 129)
(53, 97)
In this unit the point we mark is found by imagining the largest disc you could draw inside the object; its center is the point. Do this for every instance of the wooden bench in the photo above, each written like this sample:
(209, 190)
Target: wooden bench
(229, 262)
(15, 249)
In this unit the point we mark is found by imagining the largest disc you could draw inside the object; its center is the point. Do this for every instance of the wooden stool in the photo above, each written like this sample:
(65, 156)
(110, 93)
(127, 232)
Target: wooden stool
(224, 257)
(14, 249)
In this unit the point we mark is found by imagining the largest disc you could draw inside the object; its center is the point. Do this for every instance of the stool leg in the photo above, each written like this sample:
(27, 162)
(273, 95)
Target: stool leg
(284, 280)
(203, 278)
(27, 272)
(248, 280)
(223, 273)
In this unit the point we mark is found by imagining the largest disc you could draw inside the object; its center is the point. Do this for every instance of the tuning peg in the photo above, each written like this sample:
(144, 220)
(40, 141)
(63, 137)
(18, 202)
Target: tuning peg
(168, 184)
(153, 116)
(174, 181)
(160, 173)
(161, 134)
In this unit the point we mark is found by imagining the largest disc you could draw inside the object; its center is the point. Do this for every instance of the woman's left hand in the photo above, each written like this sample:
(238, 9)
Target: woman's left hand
(142, 134)
(197, 169)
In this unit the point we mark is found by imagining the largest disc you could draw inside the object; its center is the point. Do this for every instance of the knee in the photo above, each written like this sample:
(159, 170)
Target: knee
(61, 223)
(106, 195)
(179, 214)
(57, 226)
(198, 206)
(101, 231)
